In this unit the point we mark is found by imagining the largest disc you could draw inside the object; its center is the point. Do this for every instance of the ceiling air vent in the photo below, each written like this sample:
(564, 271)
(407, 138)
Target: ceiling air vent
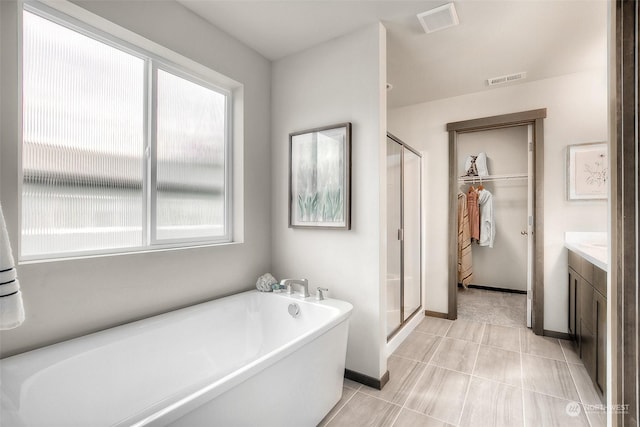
(506, 79)
(439, 18)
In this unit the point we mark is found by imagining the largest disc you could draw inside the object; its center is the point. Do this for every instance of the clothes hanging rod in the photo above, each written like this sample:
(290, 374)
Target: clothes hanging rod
(493, 177)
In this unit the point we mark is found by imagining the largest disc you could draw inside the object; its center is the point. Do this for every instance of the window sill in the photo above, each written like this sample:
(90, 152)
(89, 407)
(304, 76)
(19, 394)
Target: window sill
(129, 252)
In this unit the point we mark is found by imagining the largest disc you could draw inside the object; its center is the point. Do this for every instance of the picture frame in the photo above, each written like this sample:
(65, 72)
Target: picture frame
(320, 178)
(587, 171)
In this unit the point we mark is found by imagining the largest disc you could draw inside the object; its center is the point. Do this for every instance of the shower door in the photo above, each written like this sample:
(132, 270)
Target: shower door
(394, 244)
(411, 233)
(404, 234)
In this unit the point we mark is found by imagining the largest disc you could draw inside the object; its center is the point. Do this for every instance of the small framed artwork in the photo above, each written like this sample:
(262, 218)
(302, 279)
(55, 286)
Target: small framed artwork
(320, 178)
(587, 171)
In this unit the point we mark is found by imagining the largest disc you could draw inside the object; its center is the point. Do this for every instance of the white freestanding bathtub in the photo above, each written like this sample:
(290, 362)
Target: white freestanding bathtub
(242, 360)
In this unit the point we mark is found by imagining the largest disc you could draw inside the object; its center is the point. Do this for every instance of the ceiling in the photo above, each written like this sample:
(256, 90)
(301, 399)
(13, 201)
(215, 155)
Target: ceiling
(544, 38)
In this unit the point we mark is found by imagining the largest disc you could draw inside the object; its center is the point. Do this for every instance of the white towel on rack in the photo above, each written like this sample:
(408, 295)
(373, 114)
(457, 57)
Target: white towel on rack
(11, 307)
(487, 222)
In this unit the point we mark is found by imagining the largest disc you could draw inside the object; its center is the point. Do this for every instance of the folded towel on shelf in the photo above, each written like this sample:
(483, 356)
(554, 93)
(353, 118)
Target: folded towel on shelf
(11, 307)
(470, 166)
(481, 164)
(476, 165)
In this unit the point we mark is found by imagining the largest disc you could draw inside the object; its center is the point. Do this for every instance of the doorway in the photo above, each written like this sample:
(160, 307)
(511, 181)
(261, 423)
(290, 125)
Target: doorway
(531, 123)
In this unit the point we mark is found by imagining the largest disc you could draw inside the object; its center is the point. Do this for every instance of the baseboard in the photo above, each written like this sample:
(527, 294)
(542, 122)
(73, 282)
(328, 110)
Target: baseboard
(491, 288)
(367, 380)
(436, 314)
(554, 334)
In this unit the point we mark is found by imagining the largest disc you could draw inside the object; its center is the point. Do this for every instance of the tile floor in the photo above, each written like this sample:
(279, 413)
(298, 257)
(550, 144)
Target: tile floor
(497, 308)
(475, 373)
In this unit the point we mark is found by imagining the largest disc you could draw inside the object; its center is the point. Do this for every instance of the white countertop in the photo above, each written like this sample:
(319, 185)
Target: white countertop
(592, 246)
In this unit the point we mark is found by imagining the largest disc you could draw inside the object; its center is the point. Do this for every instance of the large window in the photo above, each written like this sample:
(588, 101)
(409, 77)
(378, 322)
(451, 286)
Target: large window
(121, 150)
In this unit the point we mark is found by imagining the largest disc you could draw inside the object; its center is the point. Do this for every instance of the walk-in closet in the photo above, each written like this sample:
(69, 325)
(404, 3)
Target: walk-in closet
(496, 247)
(493, 168)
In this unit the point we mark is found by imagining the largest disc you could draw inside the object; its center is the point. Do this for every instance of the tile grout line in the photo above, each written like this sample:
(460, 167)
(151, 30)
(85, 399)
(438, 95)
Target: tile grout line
(404, 405)
(524, 411)
(575, 384)
(542, 393)
(425, 415)
(399, 356)
(475, 362)
(398, 414)
(382, 400)
(341, 407)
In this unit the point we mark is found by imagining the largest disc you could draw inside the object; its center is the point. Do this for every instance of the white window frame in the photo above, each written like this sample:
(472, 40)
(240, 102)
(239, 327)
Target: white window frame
(152, 161)
(168, 61)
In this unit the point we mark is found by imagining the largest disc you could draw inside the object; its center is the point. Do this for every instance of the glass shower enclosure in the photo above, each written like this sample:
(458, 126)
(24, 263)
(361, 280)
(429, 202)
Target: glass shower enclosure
(404, 234)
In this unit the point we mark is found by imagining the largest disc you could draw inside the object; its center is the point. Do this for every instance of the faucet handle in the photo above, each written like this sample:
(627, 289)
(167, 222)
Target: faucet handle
(320, 294)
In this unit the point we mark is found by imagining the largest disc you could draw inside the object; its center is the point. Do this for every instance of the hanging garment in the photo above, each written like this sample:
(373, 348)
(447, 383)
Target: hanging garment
(465, 265)
(487, 222)
(474, 213)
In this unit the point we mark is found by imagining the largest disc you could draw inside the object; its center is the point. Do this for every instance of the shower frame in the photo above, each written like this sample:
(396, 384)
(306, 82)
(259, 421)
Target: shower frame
(404, 321)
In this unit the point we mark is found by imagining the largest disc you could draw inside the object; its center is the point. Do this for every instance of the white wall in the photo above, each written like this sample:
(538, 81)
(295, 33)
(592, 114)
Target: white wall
(64, 299)
(576, 113)
(338, 81)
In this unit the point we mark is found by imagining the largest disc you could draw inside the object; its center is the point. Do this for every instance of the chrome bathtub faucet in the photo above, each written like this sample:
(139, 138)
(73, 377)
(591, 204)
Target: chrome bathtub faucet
(320, 293)
(303, 284)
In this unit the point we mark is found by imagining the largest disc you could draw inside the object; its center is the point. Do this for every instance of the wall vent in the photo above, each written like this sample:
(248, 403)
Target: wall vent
(506, 79)
(439, 18)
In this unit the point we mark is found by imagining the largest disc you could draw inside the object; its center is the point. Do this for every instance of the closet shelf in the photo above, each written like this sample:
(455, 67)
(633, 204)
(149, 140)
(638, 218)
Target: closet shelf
(493, 177)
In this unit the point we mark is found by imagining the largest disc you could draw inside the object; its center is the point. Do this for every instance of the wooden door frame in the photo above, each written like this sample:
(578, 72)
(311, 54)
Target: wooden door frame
(625, 245)
(524, 118)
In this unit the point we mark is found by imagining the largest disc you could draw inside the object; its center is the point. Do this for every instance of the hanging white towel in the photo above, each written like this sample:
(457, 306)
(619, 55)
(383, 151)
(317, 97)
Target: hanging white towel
(11, 308)
(487, 222)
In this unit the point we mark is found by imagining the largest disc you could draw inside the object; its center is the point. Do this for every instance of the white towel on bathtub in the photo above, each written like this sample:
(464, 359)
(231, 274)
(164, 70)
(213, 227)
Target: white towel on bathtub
(11, 307)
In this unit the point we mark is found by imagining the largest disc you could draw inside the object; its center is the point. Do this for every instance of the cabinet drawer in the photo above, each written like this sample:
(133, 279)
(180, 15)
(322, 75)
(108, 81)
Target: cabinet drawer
(600, 280)
(586, 270)
(575, 261)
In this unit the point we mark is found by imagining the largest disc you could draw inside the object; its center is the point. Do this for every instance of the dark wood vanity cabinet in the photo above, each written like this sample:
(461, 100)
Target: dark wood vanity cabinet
(573, 298)
(588, 317)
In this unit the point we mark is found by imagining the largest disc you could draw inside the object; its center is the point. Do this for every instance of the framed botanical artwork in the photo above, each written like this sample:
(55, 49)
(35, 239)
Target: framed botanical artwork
(587, 171)
(320, 177)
